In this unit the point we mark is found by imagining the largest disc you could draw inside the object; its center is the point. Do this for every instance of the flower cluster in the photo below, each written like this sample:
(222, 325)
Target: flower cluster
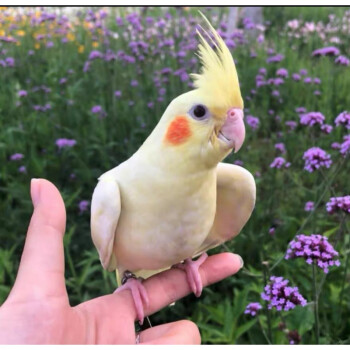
(343, 119)
(312, 118)
(338, 204)
(253, 122)
(279, 162)
(63, 143)
(252, 309)
(309, 206)
(315, 158)
(281, 296)
(345, 146)
(326, 51)
(314, 248)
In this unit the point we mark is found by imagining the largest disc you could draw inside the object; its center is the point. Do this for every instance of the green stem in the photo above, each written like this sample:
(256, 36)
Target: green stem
(268, 311)
(263, 332)
(345, 274)
(317, 330)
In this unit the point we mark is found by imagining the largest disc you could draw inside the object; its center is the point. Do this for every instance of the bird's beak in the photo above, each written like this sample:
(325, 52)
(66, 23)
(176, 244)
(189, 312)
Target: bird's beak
(233, 130)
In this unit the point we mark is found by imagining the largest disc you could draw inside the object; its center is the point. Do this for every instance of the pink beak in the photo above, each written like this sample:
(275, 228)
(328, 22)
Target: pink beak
(233, 129)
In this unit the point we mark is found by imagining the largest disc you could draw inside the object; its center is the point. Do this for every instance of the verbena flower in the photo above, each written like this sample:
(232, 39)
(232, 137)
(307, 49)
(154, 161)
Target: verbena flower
(343, 119)
(312, 118)
(313, 248)
(281, 296)
(83, 206)
(280, 147)
(291, 124)
(276, 58)
(342, 60)
(345, 146)
(315, 158)
(63, 143)
(16, 156)
(22, 93)
(309, 206)
(98, 110)
(326, 51)
(296, 76)
(338, 204)
(326, 128)
(279, 162)
(300, 110)
(22, 169)
(253, 308)
(253, 122)
(282, 72)
(293, 337)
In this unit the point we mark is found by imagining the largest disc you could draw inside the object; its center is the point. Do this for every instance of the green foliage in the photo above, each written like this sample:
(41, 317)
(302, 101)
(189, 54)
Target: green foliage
(103, 143)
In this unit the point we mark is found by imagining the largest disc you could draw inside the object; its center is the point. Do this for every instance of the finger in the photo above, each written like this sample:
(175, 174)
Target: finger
(169, 286)
(41, 270)
(180, 332)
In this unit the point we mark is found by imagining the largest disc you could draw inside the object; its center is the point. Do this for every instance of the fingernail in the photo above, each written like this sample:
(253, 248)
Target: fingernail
(35, 191)
(241, 260)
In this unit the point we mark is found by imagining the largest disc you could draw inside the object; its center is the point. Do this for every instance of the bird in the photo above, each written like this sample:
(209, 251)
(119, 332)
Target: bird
(174, 198)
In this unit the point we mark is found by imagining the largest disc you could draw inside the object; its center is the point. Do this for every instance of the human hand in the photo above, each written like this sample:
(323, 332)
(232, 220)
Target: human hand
(37, 311)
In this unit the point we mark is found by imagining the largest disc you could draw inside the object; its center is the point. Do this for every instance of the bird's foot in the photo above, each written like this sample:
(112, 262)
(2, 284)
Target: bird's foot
(192, 272)
(138, 292)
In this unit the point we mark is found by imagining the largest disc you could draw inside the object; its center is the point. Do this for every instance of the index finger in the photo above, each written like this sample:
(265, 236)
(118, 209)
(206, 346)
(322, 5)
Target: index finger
(171, 285)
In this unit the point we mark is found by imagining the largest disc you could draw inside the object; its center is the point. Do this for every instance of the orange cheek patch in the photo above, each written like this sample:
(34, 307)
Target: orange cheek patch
(178, 131)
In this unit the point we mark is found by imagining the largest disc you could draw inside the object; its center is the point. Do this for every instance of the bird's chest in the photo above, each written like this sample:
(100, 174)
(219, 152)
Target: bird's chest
(166, 222)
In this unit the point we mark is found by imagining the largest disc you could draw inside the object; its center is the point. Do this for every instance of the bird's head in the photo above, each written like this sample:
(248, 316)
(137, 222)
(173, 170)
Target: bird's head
(206, 124)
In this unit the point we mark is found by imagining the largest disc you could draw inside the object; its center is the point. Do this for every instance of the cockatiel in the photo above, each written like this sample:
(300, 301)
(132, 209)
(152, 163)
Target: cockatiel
(173, 200)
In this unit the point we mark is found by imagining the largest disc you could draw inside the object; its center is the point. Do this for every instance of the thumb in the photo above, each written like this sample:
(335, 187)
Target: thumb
(41, 270)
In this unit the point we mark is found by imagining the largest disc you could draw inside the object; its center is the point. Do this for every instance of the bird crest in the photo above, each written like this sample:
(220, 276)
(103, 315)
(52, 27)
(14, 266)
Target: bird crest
(218, 79)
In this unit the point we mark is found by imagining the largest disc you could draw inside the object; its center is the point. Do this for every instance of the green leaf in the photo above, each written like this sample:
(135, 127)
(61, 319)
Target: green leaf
(245, 327)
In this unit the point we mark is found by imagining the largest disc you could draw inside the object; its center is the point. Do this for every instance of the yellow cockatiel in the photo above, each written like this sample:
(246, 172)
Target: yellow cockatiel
(173, 200)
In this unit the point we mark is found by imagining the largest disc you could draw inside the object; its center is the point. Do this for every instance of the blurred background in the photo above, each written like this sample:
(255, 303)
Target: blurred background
(82, 88)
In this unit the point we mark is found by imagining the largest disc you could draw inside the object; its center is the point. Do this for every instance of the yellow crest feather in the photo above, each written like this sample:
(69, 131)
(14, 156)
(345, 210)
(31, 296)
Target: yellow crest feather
(218, 79)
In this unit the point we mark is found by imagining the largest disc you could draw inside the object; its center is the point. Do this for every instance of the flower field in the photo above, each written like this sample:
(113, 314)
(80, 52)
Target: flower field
(81, 89)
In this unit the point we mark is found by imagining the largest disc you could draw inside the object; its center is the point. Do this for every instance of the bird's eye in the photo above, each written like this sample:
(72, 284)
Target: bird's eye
(199, 112)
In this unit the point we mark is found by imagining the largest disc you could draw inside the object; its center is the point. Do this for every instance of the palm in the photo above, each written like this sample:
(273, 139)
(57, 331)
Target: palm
(37, 310)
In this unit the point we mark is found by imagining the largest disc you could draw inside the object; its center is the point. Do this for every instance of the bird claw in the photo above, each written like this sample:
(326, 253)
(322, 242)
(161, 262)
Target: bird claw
(138, 292)
(192, 272)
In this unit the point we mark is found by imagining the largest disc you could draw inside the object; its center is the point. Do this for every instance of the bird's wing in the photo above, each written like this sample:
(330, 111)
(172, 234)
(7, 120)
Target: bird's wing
(105, 212)
(235, 202)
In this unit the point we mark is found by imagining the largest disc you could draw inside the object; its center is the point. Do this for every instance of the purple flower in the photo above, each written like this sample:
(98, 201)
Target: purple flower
(117, 93)
(281, 296)
(238, 162)
(279, 162)
(338, 204)
(22, 93)
(95, 54)
(317, 92)
(280, 147)
(63, 81)
(326, 128)
(317, 81)
(275, 93)
(83, 206)
(22, 169)
(308, 80)
(276, 58)
(345, 146)
(99, 111)
(342, 60)
(253, 122)
(272, 230)
(316, 158)
(134, 83)
(303, 71)
(291, 124)
(252, 309)
(309, 206)
(63, 143)
(49, 44)
(296, 76)
(343, 119)
(282, 72)
(150, 104)
(300, 110)
(16, 156)
(312, 118)
(326, 51)
(314, 248)
(262, 71)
